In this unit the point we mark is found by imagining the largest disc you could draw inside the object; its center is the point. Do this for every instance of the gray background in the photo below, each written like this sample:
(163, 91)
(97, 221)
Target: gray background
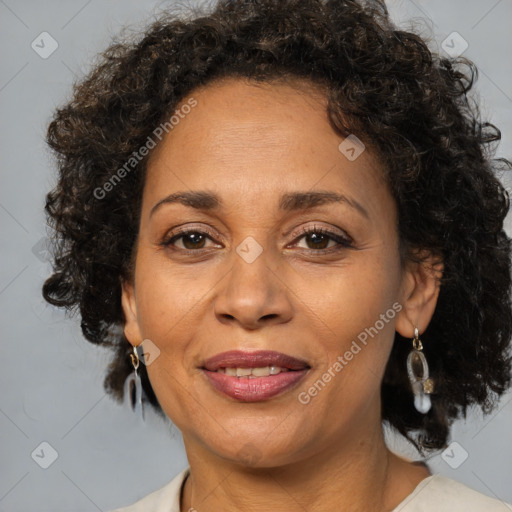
(51, 378)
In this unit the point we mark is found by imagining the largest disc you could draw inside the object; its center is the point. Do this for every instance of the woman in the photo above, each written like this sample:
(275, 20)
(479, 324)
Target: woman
(285, 219)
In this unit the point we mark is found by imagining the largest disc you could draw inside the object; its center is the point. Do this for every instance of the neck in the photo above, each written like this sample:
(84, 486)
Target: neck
(358, 475)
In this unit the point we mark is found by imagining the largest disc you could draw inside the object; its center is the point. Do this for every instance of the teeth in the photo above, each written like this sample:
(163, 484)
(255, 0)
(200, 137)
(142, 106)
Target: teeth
(261, 372)
(252, 372)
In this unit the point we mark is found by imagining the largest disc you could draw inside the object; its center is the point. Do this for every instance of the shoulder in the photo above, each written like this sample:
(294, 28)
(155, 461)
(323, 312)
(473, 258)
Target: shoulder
(165, 499)
(441, 494)
(433, 494)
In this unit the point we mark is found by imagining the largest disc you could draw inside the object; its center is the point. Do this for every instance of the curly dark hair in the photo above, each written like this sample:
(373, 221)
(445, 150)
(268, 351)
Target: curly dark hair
(385, 86)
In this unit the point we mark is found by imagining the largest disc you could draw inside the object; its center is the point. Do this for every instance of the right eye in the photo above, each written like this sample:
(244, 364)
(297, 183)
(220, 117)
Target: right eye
(192, 240)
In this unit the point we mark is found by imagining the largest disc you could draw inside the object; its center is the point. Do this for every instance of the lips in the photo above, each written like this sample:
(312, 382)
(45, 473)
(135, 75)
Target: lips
(261, 358)
(245, 386)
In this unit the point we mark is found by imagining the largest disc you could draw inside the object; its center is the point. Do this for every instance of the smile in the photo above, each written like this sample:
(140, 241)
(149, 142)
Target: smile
(254, 376)
(263, 371)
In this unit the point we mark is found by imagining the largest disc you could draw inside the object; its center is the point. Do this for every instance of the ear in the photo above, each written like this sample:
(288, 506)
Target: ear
(129, 304)
(419, 294)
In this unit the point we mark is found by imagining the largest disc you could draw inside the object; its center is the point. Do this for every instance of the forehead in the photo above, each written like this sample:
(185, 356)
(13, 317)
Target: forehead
(249, 140)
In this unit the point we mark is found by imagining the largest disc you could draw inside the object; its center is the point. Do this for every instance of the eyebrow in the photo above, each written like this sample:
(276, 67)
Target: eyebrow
(291, 201)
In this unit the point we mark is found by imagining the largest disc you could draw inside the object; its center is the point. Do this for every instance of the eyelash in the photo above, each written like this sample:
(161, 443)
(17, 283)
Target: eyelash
(343, 242)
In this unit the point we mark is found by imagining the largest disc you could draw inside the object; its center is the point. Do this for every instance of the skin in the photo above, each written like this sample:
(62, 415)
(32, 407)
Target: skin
(249, 143)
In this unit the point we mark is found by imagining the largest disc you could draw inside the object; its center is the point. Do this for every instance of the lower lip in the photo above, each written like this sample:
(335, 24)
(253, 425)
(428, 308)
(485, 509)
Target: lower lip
(256, 389)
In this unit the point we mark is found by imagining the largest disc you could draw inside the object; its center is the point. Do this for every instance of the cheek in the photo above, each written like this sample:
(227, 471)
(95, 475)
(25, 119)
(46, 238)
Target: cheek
(359, 306)
(353, 297)
(168, 298)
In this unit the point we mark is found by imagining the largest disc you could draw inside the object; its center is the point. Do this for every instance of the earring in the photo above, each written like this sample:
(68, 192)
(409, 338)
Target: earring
(133, 384)
(417, 369)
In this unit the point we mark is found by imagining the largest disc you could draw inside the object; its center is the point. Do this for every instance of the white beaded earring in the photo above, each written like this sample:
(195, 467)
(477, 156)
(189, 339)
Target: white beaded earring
(417, 369)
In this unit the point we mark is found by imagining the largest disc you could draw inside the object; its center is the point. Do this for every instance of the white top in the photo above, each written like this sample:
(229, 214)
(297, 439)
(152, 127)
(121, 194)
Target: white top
(435, 493)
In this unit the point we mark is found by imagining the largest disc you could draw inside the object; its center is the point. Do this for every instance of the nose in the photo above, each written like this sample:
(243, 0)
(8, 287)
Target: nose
(253, 295)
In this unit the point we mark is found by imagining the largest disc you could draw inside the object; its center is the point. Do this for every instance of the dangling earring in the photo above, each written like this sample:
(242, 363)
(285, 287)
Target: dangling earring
(417, 369)
(133, 384)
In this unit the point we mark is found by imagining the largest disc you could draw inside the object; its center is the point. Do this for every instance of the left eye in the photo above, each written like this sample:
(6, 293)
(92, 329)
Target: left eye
(319, 238)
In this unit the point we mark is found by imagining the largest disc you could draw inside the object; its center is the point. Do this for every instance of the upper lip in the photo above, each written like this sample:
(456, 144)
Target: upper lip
(258, 359)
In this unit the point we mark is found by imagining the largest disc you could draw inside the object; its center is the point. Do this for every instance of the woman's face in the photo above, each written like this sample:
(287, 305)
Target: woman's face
(256, 274)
